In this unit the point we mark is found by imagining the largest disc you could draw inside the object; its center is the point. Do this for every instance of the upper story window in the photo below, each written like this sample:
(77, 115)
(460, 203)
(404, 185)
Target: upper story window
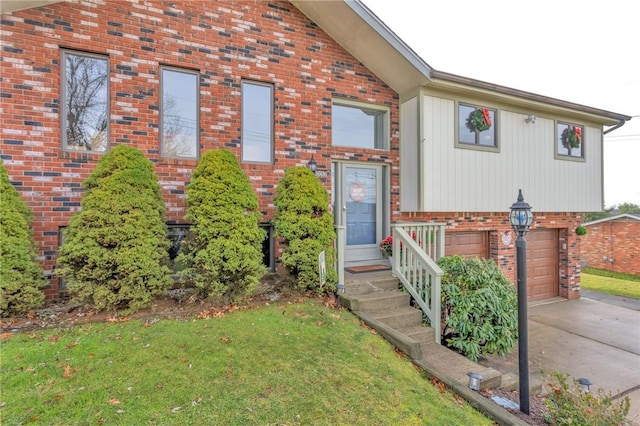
(359, 125)
(85, 102)
(179, 113)
(257, 122)
(477, 127)
(569, 140)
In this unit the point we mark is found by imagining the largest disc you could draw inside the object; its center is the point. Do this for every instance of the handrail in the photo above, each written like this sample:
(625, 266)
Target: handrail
(418, 272)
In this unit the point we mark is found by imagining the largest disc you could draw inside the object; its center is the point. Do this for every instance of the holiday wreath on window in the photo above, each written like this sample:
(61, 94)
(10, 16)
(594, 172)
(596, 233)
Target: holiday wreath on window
(571, 137)
(479, 120)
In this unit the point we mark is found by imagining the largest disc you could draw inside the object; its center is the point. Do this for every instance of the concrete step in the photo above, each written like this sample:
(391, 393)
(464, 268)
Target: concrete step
(457, 366)
(421, 333)
(398, 318)
(378, 301)
(511, 381)
(364, 286)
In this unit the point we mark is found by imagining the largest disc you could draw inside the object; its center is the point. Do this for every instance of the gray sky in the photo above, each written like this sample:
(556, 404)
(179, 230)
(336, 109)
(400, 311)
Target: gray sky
(583, 52)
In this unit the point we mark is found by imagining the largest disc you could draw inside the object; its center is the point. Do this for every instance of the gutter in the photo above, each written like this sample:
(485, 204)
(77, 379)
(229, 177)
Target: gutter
(482, 85)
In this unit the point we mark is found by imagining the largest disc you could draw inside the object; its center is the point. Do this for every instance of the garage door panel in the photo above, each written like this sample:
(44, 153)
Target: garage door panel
(467, 244)
(542, 264)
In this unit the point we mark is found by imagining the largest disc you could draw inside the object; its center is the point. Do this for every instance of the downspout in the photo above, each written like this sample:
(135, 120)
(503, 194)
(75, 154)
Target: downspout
(617, 126)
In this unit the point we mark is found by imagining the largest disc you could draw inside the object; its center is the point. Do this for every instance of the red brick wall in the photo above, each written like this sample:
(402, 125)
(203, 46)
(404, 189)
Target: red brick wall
(613, 245)
(265, 41)
(505, 256)
(270, 42)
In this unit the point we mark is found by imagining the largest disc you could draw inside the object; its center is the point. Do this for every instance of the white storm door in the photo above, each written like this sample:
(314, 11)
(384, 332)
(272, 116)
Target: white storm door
(361, 210)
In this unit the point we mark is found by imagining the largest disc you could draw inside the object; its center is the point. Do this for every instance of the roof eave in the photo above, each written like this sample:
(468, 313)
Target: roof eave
(607, 117)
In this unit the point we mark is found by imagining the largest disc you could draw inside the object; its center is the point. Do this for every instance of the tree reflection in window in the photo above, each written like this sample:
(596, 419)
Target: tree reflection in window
(179, 113)
(85, 107)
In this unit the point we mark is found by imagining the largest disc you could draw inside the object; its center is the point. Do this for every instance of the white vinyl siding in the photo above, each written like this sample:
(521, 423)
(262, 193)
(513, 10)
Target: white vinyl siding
(409, 156)
(475, 181)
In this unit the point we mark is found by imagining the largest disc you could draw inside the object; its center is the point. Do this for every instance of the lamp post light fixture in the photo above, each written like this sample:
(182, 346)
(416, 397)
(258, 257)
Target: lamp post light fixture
(312, 164)
(584, 384)
(521, 219)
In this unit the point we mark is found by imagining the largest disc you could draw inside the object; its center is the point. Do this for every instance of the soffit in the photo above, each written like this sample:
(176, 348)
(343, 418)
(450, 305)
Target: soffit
(8, 6)
(370, 41)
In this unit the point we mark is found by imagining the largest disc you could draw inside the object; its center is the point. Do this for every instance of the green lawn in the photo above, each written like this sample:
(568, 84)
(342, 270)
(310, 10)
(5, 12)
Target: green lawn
(610, 283)
(299, 363)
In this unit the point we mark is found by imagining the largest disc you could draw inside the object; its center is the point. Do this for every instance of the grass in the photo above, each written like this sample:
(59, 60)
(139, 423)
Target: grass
(609, 282)
(300, 363)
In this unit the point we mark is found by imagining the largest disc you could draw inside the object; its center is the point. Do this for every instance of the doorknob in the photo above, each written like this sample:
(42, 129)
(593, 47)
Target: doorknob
(344, 208)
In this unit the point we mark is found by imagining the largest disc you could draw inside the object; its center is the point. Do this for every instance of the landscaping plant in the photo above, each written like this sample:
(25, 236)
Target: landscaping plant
(21, 277)
(569, 405)
(304, 222)
(479, 307)
(114, 251)
(223, 250)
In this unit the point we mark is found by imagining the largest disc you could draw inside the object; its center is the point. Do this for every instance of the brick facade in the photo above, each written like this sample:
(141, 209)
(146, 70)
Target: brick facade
(269, 42)
(613, 245)
(505, 256)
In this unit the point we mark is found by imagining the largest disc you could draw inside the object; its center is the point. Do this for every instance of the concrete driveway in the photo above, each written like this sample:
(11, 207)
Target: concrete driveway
(596, 339)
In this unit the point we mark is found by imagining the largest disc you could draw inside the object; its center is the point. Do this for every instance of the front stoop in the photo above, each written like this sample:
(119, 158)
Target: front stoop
(376, 299)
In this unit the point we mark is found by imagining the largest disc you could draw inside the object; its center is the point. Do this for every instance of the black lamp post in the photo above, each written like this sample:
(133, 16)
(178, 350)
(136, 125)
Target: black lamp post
(521, 219)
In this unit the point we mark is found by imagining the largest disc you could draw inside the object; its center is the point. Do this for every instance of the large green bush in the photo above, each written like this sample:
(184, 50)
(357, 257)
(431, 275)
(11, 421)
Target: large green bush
(479, 307)
(223, 251)
(303, 220)
(114, 252)
(21, 277)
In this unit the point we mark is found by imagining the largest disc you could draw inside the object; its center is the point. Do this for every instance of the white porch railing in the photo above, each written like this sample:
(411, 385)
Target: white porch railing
(415, 246)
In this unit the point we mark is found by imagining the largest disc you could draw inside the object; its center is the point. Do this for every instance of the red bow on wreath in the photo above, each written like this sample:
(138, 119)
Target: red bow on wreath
(487, 117)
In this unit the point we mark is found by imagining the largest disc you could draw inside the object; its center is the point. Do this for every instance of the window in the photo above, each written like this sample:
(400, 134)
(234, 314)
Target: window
(85, 106)
(570, 140)
(257, 122)
(476, 127)
(176, 234)
(268, 247)
(359, 126)
(179, 111)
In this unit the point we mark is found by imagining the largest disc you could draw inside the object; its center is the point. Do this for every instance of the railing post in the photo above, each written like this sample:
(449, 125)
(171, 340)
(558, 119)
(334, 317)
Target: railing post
(340, 243)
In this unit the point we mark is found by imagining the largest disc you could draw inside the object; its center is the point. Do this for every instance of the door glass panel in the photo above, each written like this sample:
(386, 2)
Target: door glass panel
(361, 203)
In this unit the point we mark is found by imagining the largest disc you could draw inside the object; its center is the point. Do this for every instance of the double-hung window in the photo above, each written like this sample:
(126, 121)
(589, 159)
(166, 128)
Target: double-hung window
(359, 125)
(179, 113)
(569, 140)
(257, 122)
(476, 127)
(85, 102)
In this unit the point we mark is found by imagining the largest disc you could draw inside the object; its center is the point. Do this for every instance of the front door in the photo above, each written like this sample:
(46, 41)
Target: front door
(358, 204)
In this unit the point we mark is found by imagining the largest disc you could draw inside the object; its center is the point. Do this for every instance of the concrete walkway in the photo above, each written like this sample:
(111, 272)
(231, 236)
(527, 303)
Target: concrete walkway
(596, 339)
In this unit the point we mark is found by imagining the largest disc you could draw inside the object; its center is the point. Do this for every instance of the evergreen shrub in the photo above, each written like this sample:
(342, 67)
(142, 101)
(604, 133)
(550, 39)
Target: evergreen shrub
(303, 220)
(114, 252)
(479, 307)
(223, 249)
(21, 276)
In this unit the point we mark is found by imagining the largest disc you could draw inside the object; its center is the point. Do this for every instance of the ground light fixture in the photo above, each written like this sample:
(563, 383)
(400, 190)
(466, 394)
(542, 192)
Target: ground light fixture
(584, 384)
(521, 219)
(474, 381)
